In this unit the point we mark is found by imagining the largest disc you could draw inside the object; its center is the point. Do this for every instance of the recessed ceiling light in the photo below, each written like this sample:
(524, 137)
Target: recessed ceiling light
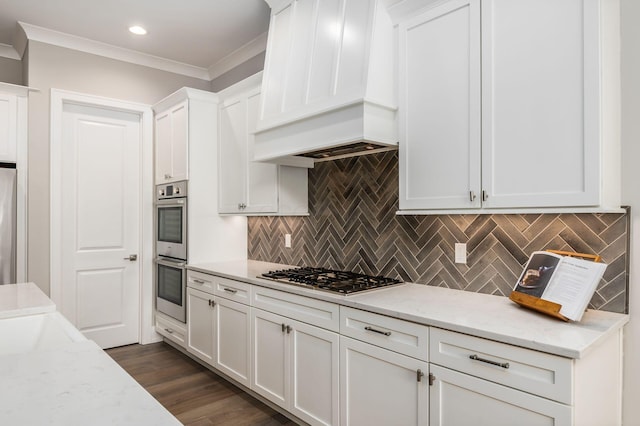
(136, 29)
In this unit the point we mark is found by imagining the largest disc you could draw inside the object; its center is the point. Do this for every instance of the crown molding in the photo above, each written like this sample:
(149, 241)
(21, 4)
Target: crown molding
(9, 52)
(239, 56)
(69, 41)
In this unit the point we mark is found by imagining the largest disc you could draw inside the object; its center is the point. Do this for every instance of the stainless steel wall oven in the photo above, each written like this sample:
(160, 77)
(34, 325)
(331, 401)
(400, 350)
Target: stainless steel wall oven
(171, 249)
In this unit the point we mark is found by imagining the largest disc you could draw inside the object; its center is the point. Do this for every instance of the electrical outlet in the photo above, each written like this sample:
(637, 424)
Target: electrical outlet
(461, 253)
(287, 240)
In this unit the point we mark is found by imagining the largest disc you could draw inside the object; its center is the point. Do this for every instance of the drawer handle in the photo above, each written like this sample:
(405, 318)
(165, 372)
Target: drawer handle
(488, 361)
(386, 333)
(197, 281)
(230, 290)
(168, 330)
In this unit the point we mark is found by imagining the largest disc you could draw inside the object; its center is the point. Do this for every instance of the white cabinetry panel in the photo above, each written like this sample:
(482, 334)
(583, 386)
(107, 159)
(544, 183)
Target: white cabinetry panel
(381, 387)
(460, 399)
(440, 107)
(541, 103)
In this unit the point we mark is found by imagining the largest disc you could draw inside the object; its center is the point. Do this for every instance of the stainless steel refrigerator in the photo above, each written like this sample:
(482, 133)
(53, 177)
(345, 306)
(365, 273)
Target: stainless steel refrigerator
(7, 223)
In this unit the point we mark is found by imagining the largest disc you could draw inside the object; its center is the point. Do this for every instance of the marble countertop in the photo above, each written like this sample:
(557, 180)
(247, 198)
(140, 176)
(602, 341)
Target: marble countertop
(23, 299)
(492, 317)
(66, 382)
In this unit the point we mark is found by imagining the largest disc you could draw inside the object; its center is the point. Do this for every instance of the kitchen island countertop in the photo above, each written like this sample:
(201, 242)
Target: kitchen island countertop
(492, 317)
(71, 382)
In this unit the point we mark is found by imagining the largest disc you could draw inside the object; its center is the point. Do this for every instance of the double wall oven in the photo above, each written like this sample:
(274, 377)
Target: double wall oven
(171, 249)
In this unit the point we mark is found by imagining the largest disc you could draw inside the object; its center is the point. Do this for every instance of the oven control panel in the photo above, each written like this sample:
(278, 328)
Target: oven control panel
(171, 190)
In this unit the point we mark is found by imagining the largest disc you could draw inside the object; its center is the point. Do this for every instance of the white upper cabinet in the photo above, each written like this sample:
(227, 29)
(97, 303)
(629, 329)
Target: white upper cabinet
(529, 123)
(172, 144)
(246, 186)
(328, 79)
(440, 108)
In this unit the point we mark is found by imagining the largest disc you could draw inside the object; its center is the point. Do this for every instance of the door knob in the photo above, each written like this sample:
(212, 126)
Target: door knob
(131, 258)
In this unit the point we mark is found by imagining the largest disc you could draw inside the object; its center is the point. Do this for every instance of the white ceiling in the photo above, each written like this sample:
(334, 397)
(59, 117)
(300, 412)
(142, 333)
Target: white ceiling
(199, 33)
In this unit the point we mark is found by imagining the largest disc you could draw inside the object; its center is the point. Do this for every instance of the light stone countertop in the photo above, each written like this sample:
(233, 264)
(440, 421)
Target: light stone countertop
(23, 299)
(72, 382)
(492, 317)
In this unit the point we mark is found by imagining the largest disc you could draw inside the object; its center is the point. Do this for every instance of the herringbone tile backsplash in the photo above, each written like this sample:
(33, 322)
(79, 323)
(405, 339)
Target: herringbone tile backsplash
(353, 226)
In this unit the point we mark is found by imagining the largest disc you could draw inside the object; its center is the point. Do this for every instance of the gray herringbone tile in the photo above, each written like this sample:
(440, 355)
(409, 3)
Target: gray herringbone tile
(352, 225)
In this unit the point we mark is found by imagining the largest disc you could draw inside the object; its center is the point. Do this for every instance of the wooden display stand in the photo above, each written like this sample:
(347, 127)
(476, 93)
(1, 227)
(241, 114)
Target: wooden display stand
(545, 306)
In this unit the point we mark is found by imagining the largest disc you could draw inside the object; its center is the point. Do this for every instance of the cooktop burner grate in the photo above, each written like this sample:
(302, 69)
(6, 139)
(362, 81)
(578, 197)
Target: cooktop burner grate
(343, 282)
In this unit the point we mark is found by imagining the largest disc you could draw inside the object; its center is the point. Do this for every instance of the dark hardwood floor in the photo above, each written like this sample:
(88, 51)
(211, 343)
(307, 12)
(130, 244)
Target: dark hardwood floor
(192, 393)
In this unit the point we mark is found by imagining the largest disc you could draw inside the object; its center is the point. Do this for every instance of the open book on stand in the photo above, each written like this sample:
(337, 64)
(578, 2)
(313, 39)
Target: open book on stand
(564, 280)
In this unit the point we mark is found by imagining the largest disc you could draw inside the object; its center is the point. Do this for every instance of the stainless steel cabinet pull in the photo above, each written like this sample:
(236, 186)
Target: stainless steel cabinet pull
(289, 329)
(230, 290)
(131, 257)
(197, 281)
(168, 330)
(386, 333)
(488, 361)
(485, 195)
(419, 375)
(212, 303)
(284, 327)
(472, 196)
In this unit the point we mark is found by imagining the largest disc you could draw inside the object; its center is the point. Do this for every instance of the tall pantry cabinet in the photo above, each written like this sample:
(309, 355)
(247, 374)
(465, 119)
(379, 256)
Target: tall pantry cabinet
(186, 135)
(509, 105)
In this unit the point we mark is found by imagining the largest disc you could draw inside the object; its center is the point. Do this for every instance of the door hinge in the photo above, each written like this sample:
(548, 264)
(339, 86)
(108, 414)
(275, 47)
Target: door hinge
(432, 378)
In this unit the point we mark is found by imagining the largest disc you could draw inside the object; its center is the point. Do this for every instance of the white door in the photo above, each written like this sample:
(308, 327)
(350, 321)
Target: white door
(440, 108)
(100, 222)
(381, 387)
(200, 324)
(460, 399)
(315, 374)
(270, 357)
(232, 339)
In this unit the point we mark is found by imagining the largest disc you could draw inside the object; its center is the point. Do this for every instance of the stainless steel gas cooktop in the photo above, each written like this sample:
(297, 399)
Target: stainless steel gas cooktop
(342, 282)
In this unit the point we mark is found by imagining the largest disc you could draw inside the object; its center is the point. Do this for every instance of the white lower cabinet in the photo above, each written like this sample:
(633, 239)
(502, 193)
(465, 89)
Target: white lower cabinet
(200, 318)
(381, 387)
(232, 339)
(295, 365)
(460, 399)
(171, 329)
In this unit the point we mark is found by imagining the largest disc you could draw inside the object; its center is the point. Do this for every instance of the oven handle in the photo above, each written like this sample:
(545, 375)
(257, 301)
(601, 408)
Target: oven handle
(171, 263)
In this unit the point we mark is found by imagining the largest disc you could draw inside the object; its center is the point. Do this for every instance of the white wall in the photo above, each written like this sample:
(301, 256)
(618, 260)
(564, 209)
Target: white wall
(55, 67)
(630, 16)
(10, 71)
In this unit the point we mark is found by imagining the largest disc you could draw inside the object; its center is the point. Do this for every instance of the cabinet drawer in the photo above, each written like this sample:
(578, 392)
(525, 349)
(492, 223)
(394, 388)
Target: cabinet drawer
(171, 330)
(397, 335)
(231, 289)
(311, 311)
(542, 374)
(200, 281)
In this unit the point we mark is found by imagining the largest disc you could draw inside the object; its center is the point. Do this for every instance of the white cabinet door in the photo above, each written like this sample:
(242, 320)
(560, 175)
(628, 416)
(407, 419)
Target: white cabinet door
(262, 178)
(245, 186)
(200, 324)
(232, 155)
(315, 374)
(270, 357)
(381, 387)
(295, 365)
(541, 103)
(8, 127)
(460, 399)
(172, 135)
(232, 339)
(440, 108)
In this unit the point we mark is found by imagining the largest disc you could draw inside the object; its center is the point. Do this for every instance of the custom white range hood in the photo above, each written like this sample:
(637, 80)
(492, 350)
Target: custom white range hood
(328, 87)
